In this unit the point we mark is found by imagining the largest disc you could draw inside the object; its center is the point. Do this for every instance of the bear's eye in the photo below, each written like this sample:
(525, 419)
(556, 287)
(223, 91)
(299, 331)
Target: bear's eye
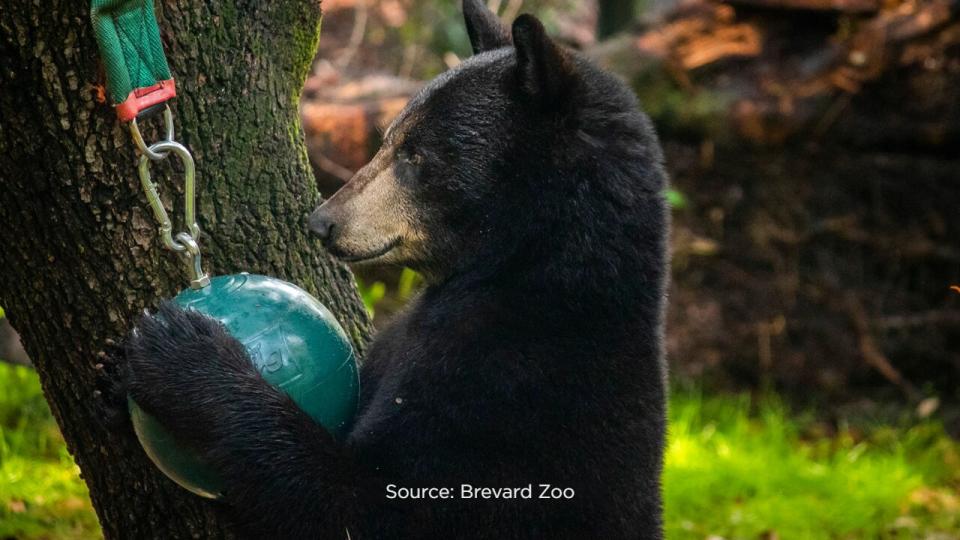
(411, 158)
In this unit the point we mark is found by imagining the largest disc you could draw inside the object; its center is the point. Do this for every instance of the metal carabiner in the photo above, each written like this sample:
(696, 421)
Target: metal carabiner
(142, 145)
(198, 278)
(186, 242)
(189, 188)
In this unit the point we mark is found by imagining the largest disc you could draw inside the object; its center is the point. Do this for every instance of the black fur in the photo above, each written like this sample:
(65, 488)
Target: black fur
(534, 355)
(111, 391)
(484, 28)
(544, 69)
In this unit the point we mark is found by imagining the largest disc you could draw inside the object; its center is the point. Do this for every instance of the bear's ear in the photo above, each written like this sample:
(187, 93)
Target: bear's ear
(484, 28)
(544, 70)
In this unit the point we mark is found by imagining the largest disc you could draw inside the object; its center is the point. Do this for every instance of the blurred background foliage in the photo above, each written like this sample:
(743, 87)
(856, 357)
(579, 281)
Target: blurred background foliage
(41, 494)
(814, 339)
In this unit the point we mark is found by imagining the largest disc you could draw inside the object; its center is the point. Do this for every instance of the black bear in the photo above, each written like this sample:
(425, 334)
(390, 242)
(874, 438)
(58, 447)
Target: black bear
(522, 395)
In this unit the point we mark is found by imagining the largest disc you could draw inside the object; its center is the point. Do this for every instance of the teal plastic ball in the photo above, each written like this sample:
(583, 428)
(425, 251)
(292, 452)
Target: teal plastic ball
(296, 344)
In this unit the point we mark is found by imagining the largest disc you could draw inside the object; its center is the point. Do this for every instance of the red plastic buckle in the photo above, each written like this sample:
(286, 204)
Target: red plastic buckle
(144, 98)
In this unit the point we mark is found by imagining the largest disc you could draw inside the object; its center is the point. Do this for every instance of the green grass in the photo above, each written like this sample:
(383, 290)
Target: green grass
(392, 294)
(736, 468)
(41, 494)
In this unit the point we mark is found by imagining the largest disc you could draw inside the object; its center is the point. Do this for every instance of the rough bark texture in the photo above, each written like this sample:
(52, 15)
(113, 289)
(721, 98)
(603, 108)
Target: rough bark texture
(80, 254)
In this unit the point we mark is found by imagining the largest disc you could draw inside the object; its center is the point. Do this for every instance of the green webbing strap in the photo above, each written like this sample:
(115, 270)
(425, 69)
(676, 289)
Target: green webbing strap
(137, 73)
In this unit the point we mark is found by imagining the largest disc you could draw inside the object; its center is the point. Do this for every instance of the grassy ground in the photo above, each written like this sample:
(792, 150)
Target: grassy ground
(742, 469)
(41, 494)
(736, 468)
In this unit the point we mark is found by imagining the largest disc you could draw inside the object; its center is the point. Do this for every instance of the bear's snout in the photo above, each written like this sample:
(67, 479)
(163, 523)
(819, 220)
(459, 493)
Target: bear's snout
(321, 223)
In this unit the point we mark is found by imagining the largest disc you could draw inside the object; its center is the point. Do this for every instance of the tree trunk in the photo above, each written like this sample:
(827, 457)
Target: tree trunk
(11, 351)
(80, 253)
(615, 16)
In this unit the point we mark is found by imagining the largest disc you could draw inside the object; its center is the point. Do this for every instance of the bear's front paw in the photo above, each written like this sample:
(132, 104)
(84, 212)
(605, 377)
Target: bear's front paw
(180, 362)
(111, 388)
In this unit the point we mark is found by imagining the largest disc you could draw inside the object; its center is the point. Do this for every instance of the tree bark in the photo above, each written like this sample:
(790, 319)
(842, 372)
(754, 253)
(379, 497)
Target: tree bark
(80, 253)
(615, 16)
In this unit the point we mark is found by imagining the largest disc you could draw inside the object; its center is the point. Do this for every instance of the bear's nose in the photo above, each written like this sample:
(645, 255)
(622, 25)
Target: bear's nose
(321, 223)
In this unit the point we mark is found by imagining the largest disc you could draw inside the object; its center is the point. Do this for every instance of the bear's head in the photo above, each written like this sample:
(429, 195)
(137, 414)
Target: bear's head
(518, 152)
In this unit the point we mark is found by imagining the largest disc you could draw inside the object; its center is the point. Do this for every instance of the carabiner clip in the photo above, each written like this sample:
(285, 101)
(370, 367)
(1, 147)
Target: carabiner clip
(142, 145)
(186, 243)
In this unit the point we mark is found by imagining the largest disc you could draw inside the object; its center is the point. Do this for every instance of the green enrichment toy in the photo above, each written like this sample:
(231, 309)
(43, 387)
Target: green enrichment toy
(296, 344)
